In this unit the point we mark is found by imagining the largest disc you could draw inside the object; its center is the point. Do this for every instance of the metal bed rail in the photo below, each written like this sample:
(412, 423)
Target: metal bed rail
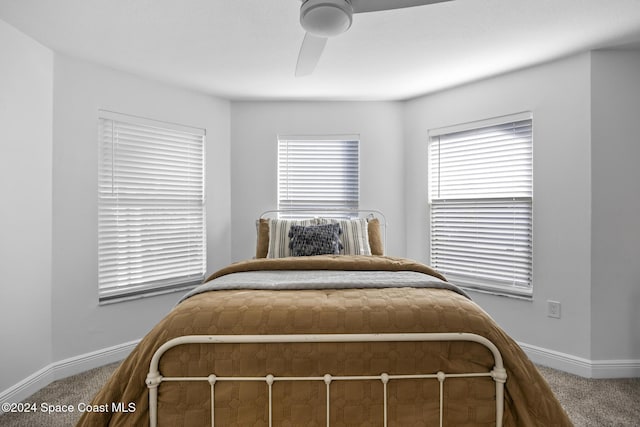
(155, 378)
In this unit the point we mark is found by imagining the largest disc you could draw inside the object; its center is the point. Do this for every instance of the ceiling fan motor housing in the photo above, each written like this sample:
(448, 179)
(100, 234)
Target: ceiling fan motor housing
(326, 18)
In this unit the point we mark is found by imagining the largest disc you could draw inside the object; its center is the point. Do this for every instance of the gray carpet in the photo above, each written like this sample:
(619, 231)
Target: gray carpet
(70, 391)
(596, 403)
(589, 403)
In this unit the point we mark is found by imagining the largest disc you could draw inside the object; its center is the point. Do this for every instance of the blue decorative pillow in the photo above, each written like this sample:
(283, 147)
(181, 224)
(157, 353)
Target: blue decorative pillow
(315, 240)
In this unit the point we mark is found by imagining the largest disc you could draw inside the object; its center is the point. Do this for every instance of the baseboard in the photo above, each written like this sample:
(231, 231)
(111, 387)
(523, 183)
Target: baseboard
(580, 366)
(65, 368)
(616, 369)
(75, 365)
(26, 387)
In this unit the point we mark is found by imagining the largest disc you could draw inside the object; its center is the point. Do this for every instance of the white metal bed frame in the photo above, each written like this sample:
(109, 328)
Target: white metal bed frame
(154, 377)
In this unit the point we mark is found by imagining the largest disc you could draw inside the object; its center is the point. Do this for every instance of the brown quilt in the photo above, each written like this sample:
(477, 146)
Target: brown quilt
(529, 400)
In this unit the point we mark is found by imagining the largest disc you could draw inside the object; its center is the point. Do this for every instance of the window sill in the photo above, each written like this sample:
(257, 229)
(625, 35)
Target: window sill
(135, 296)
(499, 293)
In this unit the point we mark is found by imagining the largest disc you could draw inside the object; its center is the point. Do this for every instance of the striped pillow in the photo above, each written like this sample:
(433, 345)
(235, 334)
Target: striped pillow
(355, 235)
(279, 236)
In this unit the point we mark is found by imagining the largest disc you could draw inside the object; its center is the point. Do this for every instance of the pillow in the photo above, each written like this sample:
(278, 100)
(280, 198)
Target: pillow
(279, 236)
(262, 245)
(375, 236)
(315, 240)
(355, 235)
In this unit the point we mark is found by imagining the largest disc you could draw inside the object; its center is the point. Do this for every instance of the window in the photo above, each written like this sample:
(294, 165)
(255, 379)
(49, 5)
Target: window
(151, 225)
(318, 173)
(480, 203)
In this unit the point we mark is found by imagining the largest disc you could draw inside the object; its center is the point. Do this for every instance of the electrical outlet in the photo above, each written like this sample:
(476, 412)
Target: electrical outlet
(553, 309)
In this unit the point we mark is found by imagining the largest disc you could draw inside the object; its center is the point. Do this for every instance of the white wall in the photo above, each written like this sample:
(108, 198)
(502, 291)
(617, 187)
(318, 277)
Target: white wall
(255, 127)
(558, 95)
(615, 266)
(26, 96)
(79, 324)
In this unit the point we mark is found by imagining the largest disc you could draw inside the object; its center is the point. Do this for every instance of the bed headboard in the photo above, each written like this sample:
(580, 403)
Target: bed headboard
(338, 213)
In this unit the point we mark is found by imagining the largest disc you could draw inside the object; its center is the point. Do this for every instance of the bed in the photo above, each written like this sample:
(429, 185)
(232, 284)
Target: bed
(321, 328)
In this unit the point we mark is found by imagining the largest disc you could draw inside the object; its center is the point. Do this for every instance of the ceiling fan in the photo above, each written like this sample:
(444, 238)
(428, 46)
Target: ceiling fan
(322, 19)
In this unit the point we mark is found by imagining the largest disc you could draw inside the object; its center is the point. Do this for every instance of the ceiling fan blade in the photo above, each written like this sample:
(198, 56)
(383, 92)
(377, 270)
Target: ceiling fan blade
(310, 51)
(361, 6)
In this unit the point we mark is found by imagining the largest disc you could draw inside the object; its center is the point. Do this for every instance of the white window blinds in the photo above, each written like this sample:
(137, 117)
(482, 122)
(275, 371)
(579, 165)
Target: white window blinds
(481, 204)
(151, 227)
(318, 173)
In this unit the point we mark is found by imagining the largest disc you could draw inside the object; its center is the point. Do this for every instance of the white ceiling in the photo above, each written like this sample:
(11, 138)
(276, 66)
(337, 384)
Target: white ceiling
(247, 49)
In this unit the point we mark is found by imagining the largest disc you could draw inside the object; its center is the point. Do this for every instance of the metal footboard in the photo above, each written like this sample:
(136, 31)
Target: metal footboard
(154, 378)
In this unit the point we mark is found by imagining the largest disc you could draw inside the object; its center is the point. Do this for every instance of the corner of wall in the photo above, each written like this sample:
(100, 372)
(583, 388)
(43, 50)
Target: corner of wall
(26, 85)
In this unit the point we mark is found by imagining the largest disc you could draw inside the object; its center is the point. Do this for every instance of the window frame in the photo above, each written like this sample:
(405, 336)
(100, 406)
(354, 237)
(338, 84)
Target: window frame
(150, 174)
(522, 200)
